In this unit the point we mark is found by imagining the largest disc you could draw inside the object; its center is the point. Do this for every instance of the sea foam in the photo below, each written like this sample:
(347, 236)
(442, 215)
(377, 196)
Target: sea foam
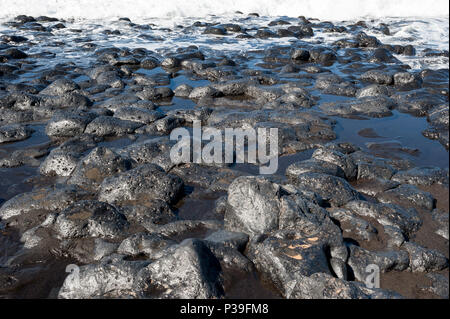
(323, 9)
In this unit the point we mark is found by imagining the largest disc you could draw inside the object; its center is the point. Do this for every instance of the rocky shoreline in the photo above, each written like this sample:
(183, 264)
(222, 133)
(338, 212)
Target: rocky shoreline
(87, 179)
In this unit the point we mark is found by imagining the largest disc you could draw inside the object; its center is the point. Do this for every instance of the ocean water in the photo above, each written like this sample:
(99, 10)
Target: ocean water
(324, 9)
(410, 22)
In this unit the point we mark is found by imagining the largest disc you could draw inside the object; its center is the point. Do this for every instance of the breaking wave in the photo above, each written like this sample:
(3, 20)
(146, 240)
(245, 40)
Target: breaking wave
(323, 9)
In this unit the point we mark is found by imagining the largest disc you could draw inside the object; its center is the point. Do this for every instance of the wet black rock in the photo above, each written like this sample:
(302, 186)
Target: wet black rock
(153, 246)
(323, 56)
(332, 84)
(183, 90)
(62, 160)
(278, 208)
(417, 102)
(14, 133)
(53, 198)
(390, 260)
(265, 34)
(408, 50)
(231, 27)
(137, 114)
(229, 239)
(234, 87)
(430, 52)
(441, 219)
(360, 157)
(112, 277)
(371, 106)
(30, 157)
(395, 237)
(149, 93)
(142, 184)
(334, 190)
(372, 90)
(374, 186)
(58, 26)
(191, 271)
(407, 80)
(422, 176)
(203, 92)
(49, 103)
(111, 126)
(106, 75)
(8, 116)
(125, 100)
(344, 162)
(438, 117)
(382, 55)
(60, 87)
(314, 166)
(170, 63)
(325, 286)
(15, 54)
(149, 63)
(152, 216)
(162, 126)
(408, 220)
(69, 123)
(287, 255)
(20, 101)
(197, 66)
(439, 285)
(216, 30)
(422, 259)
(300, 55)
(155, 150)
(365, 41)
(24, 19)
(100, 163)
(257, 214)
(354, 225)
(384, 29)
(408, 195)
(90, 219)
(376, 170)
(154, 80)
(278, 22)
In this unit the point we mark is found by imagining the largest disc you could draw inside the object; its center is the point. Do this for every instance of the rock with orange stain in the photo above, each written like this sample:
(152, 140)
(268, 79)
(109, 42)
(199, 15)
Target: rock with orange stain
(288, 255)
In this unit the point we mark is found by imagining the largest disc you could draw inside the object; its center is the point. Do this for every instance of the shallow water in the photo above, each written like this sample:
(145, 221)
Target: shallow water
(400, 128)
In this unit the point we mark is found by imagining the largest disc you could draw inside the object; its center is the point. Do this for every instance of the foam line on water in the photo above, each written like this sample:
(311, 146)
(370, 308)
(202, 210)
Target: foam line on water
(323, 9)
